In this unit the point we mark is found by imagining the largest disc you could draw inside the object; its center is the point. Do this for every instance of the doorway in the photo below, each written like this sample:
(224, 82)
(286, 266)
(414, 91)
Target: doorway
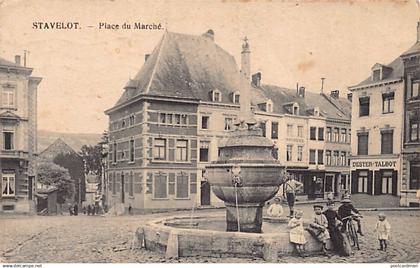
(205, 193)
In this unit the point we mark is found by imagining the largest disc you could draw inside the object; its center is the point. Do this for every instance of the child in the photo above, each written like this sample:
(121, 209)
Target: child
(319, 227)
(382, 228)
(297, 237)
(340, 241)
(275, 209)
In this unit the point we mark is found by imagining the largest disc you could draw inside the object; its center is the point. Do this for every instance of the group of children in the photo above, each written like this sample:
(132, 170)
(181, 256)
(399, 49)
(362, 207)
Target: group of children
(329, 224)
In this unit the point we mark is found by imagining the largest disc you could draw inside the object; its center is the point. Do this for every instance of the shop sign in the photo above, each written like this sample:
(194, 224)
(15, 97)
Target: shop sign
(379, 164)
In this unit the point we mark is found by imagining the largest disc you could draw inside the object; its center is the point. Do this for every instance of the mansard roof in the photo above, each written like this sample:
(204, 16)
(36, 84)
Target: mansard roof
(185, 66)
(415, 49)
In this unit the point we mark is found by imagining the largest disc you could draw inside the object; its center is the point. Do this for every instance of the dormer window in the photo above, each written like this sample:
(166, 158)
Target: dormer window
(316, 111)
(295, 109)
(235, 97)
(216, 95)
(376, 75)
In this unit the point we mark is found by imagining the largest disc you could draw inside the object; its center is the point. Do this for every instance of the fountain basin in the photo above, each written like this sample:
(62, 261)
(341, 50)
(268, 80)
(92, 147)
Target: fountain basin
(206, 237)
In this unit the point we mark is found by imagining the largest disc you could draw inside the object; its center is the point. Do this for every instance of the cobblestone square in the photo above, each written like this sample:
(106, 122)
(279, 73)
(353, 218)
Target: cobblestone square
(97, 239)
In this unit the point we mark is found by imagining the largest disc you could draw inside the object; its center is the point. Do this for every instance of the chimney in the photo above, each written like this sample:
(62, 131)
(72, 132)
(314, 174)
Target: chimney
(256, 79)
(350, 96)
(209, 34)
(301, 92)
(17, 59)
(146, 56)
(245, 59)
(418, 31)
(335, 94)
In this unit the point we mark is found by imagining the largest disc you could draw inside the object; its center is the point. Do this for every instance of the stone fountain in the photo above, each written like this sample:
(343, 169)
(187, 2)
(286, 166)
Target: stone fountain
(245, 176)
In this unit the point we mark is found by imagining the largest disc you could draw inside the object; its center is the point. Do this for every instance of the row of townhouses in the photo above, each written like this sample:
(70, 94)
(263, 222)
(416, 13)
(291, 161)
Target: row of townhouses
(385, 130)
(172, 116)
(18, 142)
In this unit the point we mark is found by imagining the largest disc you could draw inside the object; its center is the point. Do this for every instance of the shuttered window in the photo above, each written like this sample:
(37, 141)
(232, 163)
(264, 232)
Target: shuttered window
(362, 143)
(182, 186)
(387, 142)
(160, 186)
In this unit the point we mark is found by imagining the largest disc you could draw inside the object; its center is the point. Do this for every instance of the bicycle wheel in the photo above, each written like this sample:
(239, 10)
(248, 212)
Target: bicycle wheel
(354, 236)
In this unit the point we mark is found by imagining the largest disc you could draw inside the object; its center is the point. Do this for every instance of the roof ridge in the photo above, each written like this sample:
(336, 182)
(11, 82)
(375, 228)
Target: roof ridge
(157, 62)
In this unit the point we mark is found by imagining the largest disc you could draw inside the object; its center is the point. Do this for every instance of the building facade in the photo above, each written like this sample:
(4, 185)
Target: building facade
(377, 116)
(179, 109)
(410, 184)
(18, 142)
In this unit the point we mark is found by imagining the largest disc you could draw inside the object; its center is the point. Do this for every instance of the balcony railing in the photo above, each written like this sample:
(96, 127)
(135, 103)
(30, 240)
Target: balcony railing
(13, 154)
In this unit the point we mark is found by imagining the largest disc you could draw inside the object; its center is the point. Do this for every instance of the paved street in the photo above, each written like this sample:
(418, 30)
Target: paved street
(108, 239)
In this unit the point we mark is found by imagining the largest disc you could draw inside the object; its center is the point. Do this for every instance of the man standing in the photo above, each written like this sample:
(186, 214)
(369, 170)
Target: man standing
(289, 190)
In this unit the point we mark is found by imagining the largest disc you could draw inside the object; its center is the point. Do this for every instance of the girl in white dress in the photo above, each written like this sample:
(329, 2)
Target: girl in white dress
(297, 237)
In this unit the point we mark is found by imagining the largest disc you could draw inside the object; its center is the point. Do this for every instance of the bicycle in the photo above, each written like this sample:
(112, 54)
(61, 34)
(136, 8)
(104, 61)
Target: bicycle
(350, 230)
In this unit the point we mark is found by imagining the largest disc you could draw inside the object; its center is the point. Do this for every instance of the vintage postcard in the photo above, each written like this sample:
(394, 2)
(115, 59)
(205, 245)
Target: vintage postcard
(230, 131)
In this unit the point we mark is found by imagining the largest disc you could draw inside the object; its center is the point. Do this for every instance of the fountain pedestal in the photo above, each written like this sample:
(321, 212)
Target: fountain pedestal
(244, 177)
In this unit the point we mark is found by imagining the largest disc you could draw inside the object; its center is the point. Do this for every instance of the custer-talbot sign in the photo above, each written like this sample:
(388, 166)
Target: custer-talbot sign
(374, 163)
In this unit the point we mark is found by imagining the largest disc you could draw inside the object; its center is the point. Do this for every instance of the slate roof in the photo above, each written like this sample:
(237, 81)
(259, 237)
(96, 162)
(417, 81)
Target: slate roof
(397, 72)
(4, 62)
(282, 97)
(185, 66)
(415, 49)
(189, 66)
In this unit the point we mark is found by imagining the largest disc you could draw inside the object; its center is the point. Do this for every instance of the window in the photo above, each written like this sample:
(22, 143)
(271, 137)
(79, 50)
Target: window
(159, 150)
(295, 108)
(131, 185)
(123, 123)
(329, 134)
(376, 75)
(182, 186)
(184, 119)
(132, 150)
(181, 150)
(335, 161)
(289, 151)
(289, 130)
(343, 135)
(415, 89)
(177, 119)
(328, 157)
(236, 97)
(362, 143)
(300, 131)
(414, 175)
(204, 122)
(169, 119)
(299, 153)
(387, 182)
(8, 140)
(228, 123)
(387, 142)
(388, 103)
(312, 157)
(336, 137)
(160, 186)
(363, 178)
(162, 118)
(204, 151)
(343, 159)
(263, 129)
(321, 134)
(312, 133)
(217, 96)
(114, 152)
(8, 97)
(320, 157)
(132, 120)
(8, 184)
(415, 129)
(114, 186)
(269, 106)
(364, 103)
(274, 130)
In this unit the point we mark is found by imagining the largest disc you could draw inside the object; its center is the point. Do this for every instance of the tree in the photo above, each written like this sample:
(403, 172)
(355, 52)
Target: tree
(75, 166)
(51, 174)
(92, 158)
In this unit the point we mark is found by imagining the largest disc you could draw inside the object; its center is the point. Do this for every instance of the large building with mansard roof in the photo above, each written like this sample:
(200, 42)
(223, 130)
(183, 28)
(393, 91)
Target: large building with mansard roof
(171, 117)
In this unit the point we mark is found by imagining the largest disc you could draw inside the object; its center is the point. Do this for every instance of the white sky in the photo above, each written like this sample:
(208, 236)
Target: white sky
(84, 71)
